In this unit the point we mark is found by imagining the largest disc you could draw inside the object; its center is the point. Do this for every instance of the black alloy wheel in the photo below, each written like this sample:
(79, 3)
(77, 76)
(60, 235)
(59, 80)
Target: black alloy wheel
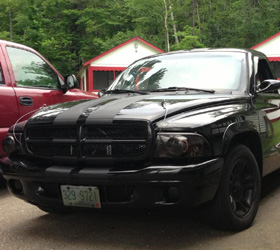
(236, 202)
(241, 188)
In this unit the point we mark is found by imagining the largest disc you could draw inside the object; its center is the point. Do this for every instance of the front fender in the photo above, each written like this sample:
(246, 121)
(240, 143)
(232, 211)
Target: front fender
(243, 132)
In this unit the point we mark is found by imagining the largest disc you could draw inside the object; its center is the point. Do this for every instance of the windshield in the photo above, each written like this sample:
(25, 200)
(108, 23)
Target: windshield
(208, 70)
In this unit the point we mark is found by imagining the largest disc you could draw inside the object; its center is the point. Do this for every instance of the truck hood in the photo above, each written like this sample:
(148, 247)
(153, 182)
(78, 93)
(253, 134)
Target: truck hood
(153, 107)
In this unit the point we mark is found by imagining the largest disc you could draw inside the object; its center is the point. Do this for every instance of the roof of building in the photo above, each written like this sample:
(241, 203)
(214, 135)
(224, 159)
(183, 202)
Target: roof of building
(121, 45)
(270, 47)
(265, 41)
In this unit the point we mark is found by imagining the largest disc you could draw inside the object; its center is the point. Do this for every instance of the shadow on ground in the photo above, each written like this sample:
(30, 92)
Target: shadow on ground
(105, 230)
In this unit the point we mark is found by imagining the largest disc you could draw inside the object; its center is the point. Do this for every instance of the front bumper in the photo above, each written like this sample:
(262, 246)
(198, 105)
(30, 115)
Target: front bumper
(150, 187)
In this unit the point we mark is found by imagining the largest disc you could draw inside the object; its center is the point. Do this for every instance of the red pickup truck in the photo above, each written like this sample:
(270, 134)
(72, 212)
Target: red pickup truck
(27, 82)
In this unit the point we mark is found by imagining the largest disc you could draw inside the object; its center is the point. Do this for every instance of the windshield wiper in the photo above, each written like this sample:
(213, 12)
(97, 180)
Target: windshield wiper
(183, 89)
(121, 91)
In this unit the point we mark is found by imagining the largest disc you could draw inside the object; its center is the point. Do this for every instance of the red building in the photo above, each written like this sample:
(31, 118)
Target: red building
(99, 72)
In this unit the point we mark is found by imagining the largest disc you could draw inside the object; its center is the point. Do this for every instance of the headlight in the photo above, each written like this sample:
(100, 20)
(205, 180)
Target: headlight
(12, 144)
(9, 144)
(179, 145)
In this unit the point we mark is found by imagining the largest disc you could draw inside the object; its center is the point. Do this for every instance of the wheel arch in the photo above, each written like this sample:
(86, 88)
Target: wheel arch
(246, 135)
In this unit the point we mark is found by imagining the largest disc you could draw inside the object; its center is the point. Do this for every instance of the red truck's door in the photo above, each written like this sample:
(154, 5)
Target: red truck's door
(35, 81)
(8, 101)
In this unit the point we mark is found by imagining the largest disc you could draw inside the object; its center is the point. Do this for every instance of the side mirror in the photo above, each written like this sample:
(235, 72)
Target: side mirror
(268, 85)
(101, 92)
(71, 81)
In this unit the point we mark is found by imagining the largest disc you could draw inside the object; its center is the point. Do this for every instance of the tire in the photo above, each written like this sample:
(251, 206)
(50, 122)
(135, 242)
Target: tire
(236, 202)
(2, 181)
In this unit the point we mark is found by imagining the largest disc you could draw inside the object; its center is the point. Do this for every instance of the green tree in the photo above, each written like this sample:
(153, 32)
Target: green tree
(187, 40)
(70, 32)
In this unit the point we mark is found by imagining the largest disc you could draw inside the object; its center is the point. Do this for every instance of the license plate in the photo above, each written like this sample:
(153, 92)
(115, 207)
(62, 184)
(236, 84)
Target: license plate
(80, 196)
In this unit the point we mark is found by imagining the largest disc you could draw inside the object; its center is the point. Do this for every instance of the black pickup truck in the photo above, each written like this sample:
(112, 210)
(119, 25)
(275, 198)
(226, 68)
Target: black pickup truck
(179, 130)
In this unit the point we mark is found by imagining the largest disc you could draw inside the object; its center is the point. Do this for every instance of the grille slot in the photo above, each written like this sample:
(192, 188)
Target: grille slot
(53, 149)
(116, 132)
(53, 133)
(115, 141)
(117, 150)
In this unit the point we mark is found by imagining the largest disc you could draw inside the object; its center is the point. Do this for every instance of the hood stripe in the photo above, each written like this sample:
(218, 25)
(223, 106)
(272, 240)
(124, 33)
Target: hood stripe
(72, 115)
(106, 113)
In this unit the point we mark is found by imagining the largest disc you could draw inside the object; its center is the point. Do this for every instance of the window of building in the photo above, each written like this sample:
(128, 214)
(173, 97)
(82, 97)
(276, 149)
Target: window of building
(103, 79)
(276, 66)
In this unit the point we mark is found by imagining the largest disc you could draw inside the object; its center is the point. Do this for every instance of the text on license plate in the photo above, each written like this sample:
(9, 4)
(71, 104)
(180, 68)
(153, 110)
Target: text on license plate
(80, 196)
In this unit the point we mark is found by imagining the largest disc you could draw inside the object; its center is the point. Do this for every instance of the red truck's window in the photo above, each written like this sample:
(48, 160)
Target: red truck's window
(1, 77)
(31, 70)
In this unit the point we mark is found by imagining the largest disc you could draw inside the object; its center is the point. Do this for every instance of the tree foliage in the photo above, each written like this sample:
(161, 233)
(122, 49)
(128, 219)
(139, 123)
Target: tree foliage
(70, 32)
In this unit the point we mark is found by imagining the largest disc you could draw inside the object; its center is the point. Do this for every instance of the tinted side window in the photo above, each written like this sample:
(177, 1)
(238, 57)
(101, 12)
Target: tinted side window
(1, 77)
(264, 73)
(31, 70)
(264, 70)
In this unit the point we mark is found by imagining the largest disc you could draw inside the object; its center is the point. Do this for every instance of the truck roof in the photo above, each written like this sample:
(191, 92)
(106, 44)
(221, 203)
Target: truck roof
(202, 50)
(9, 43)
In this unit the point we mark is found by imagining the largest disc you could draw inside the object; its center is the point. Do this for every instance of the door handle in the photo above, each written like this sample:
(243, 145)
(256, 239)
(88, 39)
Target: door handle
(26, 101)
